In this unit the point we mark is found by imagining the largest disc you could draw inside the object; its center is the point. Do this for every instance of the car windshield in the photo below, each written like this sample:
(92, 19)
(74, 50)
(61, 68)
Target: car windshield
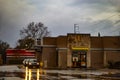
(35, 60)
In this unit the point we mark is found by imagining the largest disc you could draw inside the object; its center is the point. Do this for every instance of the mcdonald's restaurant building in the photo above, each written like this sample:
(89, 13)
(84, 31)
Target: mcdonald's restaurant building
(79, 51)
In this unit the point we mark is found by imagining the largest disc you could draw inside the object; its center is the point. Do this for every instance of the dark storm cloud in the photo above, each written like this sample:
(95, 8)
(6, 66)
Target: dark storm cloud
(58, 15)
(100, 7)
(101, 2)
(12, 13)
(98, 4)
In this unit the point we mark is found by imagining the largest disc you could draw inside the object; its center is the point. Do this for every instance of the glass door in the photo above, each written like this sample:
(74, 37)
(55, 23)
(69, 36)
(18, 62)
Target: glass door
(79, 59)
(83, 61)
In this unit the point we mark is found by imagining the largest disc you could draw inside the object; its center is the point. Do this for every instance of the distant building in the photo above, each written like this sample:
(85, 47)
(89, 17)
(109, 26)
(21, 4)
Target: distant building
(79, 51)
(16, 56)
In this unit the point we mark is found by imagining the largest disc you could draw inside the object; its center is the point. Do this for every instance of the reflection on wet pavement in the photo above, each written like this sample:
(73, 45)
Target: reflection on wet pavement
(29, 74)
(41, 74)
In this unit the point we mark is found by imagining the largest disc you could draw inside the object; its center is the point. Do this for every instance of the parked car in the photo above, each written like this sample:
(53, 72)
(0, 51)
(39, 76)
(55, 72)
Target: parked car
(33, 63)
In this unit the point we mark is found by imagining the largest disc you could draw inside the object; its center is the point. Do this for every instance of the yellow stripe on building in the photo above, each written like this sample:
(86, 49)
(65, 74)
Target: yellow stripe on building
(78, 48)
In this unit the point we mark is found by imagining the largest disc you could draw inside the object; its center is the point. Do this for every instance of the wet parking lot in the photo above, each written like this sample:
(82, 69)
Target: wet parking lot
(38, 75)
(14, 73)
(47, 76)
(50, 76)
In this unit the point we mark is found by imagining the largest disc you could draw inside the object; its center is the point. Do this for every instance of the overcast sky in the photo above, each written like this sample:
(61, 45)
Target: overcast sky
(92, 16)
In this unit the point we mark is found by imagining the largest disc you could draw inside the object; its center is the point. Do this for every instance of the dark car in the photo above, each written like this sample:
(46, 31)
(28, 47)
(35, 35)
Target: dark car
(33, 63)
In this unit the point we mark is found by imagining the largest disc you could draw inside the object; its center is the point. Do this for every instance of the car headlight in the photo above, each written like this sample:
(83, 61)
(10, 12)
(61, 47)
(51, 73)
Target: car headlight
(29, 63)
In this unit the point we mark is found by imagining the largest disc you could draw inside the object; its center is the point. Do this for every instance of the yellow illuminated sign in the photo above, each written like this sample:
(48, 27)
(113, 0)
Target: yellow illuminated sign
(78, 48)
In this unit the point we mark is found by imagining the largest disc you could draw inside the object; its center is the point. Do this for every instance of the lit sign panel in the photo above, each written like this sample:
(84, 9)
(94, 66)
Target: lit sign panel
(77, 48)
(20, 53)
(78, 41)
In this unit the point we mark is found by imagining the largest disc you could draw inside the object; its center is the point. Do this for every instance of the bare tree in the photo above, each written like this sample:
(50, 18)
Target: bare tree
(26, 43)
(35, 31)
(30, 34)
(3, 47)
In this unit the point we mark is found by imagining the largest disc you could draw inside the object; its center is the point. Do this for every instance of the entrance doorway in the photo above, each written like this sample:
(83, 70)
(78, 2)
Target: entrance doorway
(79, 59)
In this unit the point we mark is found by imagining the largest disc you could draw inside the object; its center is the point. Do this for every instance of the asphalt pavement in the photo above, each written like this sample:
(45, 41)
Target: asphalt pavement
(68, 74)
